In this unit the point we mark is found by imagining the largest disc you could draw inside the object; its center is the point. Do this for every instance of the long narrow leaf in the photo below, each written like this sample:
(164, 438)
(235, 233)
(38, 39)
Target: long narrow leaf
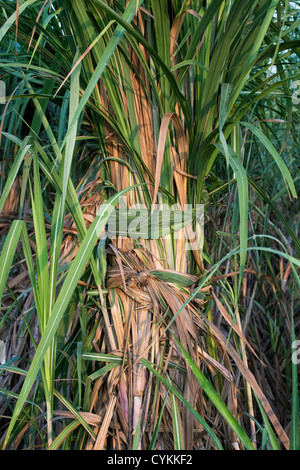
(216, 399)
(278, 159)
(23, 151)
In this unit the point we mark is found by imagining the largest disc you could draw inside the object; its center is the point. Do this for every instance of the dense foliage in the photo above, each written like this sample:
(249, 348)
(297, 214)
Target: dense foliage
(137, 343)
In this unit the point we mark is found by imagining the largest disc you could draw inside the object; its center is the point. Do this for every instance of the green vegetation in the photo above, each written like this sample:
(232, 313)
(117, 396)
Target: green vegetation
(130, 343)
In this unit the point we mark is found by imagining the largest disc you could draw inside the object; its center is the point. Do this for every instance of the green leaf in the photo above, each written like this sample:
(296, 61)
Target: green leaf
(101, 259)
(226, 93)
(176, 424)
(110, 49)
(278, 159)
(12, 19)
(59, 206)
(216, 399)
(288, 228)
(273, 440)
(185, 402)
(41, 244)
(9, 251)
(102, 371)
(64, 434)
(181, 279)
(295, 430)
(77, 415)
